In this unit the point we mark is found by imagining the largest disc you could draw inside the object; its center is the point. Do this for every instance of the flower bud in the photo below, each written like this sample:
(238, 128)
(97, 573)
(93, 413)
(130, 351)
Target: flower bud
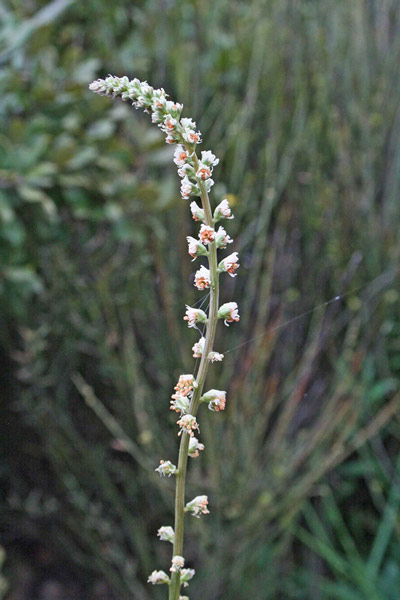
(158, 577)
(166, 468)
(229, 312)
(166, 534)
(198, 506)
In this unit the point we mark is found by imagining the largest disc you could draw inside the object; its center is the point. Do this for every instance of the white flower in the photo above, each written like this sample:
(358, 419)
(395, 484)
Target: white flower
(198, 506)
(169, 124)
(209, 159)
(190, 136)
(194, 315)
(223, 211)
(197, 212)
(203, 172)
(158, 577)
(198, 348)
(189, 123)
(229, 312)
(194, 447)
(222, 239)
(202, 278)
(187, 575)
(188, 188)
(195, 248)
(178, 562)
(180, 404)
(230, 264)
(206, 234)
(166, 468)
(215, 356)
(166, 534)
(188, 423)
(186, 170)
(216, 399)
(181, 155)
(183, 597)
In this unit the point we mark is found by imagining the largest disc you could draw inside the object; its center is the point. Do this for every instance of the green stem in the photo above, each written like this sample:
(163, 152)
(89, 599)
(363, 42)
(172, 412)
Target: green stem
(174, 588)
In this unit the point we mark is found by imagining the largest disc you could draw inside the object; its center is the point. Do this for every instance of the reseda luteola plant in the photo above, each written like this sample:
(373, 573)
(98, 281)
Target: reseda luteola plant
(196, 181)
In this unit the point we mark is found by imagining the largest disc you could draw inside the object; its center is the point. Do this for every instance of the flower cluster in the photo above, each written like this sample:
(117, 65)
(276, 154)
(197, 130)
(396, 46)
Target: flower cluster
(183, 391)
(196, 173)
(188, 424)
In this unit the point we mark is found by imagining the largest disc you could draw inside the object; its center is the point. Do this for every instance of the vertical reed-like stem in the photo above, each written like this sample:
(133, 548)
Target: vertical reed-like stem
(174, 587)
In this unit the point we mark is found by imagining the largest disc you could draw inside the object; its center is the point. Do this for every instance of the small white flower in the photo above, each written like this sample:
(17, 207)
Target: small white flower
(216, 399)
(222, 239)
(187, 575)
(166, 468)
(223, 210)
(190, 136)
(158, 577)
(194, 447)
(166, 534)
(230, 264)
(186, 170)
(198, 348)
(169, 124)
(209, 159)
(197, 212)
(188, 123)
(215, 356)
(202, 278)
(229, 312)
(203, 172)
(195, 248)
(178, 562)
(206, 234)
(194, 315)
(188, 423)
(188, 188)
(181, 155)
(198, 506)
(180, 404)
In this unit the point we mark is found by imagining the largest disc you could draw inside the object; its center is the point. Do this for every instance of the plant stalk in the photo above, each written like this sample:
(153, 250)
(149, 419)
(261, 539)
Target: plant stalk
(174, 588)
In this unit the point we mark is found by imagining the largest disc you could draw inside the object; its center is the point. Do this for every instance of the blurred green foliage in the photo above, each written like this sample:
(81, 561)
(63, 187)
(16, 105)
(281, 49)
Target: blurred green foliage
(300, 102)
